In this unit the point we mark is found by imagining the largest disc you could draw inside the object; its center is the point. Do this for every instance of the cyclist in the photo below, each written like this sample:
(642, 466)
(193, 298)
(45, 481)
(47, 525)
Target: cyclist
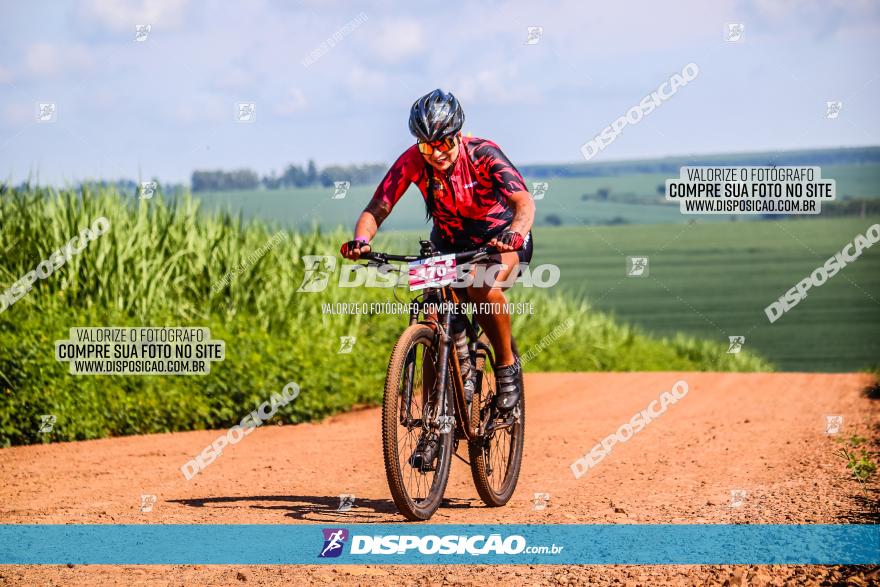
(475, 197)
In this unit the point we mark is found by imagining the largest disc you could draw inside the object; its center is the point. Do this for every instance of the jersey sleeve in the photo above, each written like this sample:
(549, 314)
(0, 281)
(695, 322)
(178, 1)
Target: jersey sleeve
(393, 185)
(505, 175)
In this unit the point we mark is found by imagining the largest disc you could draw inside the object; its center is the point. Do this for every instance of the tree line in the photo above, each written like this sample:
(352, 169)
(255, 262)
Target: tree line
(293, 176)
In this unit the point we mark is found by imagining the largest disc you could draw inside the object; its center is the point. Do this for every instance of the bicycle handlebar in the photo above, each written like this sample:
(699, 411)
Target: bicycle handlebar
(461, 257)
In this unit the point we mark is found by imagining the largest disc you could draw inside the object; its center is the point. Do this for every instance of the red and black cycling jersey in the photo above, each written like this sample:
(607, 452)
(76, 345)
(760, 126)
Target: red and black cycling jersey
(470, 203)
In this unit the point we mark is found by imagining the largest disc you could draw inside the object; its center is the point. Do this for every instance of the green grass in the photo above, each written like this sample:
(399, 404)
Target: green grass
(858, 460)
(156, 267)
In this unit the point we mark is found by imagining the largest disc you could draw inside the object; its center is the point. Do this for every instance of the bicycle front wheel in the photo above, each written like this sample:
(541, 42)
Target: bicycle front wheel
(407, 411)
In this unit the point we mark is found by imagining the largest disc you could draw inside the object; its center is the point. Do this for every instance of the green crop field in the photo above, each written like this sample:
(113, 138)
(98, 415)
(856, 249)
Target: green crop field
(631, 198)
(714, 280)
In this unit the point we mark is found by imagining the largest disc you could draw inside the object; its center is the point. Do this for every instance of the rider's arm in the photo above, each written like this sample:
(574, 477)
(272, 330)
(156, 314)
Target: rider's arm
(510, 184)
(390, 190)
(367, 225)
(524, 212)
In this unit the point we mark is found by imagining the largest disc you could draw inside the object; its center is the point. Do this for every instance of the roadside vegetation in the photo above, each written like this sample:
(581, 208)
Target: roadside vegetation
(160, 264)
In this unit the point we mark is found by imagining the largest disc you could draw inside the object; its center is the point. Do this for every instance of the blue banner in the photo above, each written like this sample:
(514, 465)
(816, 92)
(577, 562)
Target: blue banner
(143, 544)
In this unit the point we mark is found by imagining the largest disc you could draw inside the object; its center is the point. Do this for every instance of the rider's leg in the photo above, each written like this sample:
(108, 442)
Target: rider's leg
(496, 324)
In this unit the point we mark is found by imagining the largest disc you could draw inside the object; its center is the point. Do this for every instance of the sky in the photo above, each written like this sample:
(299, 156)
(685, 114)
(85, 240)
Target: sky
(167, 105)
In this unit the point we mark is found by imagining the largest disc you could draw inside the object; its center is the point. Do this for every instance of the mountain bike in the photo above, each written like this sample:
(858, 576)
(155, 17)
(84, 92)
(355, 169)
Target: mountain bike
(425, 394)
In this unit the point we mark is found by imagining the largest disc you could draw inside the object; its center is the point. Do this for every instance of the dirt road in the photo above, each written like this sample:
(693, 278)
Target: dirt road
(764, 434)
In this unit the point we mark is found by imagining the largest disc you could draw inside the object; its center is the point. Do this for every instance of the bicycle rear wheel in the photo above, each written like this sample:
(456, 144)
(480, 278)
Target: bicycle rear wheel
(406, 410)
(497, 455)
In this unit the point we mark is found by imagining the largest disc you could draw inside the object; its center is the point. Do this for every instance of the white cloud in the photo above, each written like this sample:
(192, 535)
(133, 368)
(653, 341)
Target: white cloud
(234, 78)
(123, 15)
(397, 40)
(18, 113)
(498, 85)
(47, 60)
(205, 108)
(822, 17)
(294, 102)
(362, 80)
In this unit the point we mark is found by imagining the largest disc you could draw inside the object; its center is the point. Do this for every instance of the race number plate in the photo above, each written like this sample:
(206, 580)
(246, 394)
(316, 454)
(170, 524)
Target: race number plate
(432, 272)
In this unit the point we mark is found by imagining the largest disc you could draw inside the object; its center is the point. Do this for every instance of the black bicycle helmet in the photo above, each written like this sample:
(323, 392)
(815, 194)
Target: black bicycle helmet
(435, 116)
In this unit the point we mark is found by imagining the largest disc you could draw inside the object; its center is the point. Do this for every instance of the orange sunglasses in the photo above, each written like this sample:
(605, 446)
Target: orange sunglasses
(443, 145)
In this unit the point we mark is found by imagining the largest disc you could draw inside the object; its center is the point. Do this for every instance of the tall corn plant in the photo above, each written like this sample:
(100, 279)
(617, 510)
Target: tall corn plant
(158, 256)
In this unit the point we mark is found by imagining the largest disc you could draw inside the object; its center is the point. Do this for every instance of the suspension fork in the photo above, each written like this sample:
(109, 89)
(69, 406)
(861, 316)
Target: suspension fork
(440, 370)
(405, 415)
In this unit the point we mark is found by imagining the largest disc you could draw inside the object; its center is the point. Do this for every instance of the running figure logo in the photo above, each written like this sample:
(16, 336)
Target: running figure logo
(636, 266)
(141, 32)
(539, 189)
(832, 109)
(340, 189)
(833, 424)
(334, 540)
(346, 344)
(147, 502)
(736, 344)
(540, 502)
(245, 112)
(737, 497)
(47, 112)
(735, 32)
(148, 189)
(346, 502)
(534, 35)
(47, 422)
(318, 270)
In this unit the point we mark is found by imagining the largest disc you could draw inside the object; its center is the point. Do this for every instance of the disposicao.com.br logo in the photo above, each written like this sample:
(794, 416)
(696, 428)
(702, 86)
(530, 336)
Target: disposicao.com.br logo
(452, 544)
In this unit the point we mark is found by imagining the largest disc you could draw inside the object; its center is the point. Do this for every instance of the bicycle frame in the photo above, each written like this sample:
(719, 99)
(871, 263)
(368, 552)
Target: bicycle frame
(441, 325)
